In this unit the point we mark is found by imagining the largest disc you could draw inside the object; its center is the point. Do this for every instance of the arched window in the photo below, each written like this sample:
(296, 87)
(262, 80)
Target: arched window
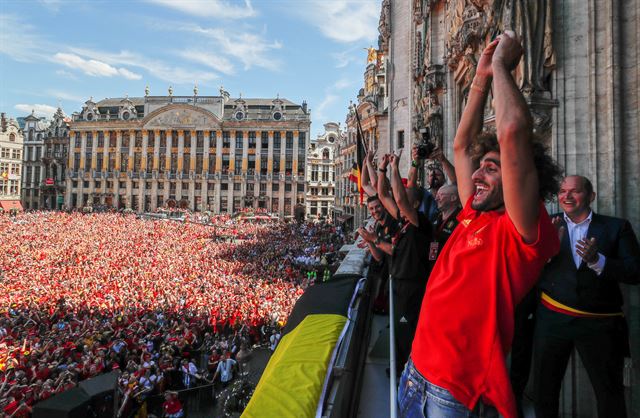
(325, 154)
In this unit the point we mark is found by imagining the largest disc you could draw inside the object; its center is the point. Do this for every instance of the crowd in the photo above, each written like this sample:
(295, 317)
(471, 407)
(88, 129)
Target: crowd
(83, 294)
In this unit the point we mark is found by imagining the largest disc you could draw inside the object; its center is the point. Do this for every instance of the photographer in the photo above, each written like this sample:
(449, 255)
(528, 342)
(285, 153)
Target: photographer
(426, 149)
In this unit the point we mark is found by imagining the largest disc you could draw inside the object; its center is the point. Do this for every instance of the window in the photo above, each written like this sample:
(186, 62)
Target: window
(239, 138)
(276, 140)
(113, 140)
(302, 139)
(300, 187)
(100, 139)
(236, 187)
(287, 187)
(89, 144)
(151, 140)
(125, 140)
(212, 163)
(325, 154)
(263, 165)
(275, 187)
(276, 164)
(237, 166)
(226, 139)
(186, 139)
(138, 140)
(252, 140)
(314, 172)
(263, 187)
(289, 139)
(186, 163)
(264, 139)
(163, 140)
(5, 152)
(199, 139)
(12, 137)
(224, 186)
(400, 139)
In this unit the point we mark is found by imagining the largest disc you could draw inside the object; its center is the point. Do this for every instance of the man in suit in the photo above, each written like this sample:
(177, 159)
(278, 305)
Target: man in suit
(581, 302)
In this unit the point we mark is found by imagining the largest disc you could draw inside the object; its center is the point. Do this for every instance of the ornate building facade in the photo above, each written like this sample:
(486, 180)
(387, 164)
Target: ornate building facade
(372, 104)
(579, 75)
(321, 177)
(54, 162)
(35, 131)
(11, 143)
(197, 152)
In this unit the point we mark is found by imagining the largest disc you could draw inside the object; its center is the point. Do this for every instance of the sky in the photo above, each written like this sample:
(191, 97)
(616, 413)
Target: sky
(62, 52)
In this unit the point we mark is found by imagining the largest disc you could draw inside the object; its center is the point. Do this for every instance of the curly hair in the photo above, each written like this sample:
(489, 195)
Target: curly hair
(549, 172)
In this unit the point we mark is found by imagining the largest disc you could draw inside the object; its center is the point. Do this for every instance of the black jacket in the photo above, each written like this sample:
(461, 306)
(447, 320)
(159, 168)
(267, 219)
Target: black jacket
(581, 288)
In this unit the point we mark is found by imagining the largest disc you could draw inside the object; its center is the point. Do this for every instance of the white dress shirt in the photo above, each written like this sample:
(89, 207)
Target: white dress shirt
(577, 232)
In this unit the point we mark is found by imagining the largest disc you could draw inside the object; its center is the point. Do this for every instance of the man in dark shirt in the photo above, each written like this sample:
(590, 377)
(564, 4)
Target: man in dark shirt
(409, 262)
(446, 220)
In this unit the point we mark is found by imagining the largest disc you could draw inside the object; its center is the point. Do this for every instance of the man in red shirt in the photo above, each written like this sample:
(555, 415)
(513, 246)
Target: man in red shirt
(457, 366)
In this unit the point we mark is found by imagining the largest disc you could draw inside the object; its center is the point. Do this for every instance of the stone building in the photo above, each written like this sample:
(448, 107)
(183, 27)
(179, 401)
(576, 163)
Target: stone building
(579, 75)
(197, 152)
(371, 107)
(35, 130)
(54, 162)
(321, 177)
(11, 143)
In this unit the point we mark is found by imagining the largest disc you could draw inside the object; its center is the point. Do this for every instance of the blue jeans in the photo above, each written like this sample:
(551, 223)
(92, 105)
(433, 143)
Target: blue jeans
(417, 398)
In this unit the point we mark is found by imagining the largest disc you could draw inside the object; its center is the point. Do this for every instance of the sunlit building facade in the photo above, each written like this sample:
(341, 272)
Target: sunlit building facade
(201, 153)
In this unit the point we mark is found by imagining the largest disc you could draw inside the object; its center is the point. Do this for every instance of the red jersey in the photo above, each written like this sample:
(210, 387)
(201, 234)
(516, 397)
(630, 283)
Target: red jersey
(172, 406)
(465, 327)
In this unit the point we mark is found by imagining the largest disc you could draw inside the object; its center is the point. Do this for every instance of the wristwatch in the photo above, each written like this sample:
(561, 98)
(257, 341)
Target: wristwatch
(382, 170)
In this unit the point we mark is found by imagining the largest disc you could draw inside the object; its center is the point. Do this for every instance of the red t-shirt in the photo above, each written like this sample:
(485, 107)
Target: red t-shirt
(172, 406)
(466, 321)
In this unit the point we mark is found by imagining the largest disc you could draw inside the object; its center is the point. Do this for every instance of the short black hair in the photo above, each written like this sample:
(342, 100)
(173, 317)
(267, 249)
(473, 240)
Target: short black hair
(372, 198)
(549, 172)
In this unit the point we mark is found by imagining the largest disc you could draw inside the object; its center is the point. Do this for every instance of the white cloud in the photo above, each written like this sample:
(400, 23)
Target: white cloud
(343, 20)
(249, 48)
(210, 8)
(342, 84)
(19, 41)
(157, 68)
(320, 111)
(93, 67)
(214, 61)
(53, 5)
(38, 109)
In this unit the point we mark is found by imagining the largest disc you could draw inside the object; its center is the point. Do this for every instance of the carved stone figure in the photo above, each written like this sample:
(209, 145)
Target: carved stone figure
(434, 120)
(384, 26)
(532, 20)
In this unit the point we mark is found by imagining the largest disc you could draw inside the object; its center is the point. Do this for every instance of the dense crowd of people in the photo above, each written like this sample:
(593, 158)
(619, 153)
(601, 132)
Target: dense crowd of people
(83, 294)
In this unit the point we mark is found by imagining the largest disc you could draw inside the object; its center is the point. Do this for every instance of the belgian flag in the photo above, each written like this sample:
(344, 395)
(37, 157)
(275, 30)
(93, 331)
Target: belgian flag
(356, 169)
(292, 382)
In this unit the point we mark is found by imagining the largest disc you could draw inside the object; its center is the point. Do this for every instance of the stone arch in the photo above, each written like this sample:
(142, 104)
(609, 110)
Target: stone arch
(181, 116)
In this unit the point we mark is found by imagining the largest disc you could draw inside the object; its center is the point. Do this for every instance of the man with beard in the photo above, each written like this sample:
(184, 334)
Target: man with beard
(505, 236)
(581, 302)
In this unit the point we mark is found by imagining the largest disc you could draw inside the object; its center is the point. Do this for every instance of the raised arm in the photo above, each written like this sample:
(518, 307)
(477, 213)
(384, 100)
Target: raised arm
(400, 194)
(471, 123)
(384, 192)
(514, 127)
(368, 188)
(448, 168)
(371, 167)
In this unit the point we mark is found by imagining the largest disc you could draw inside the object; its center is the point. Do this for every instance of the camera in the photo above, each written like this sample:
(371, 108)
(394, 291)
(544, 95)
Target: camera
(426, 144)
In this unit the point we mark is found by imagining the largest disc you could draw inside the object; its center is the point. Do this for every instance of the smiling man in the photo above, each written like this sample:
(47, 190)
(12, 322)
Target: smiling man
(493, 258)
(581, 304)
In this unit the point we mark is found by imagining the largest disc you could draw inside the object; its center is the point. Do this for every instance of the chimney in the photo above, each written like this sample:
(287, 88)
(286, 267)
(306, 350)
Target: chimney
(3, 122)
